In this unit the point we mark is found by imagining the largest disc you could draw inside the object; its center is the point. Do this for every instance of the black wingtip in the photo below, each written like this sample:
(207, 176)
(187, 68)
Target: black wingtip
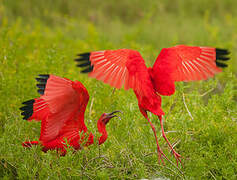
(27, 109)
(87, 70)
(219, 64)
(44, 75)
(83, 60)
(84, 64)
(28, 102)
(222, 51)
(42, 81)
(222, 55)
(85, 55)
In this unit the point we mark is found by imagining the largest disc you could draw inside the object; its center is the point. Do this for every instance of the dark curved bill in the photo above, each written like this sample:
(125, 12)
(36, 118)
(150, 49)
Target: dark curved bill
(112, 115)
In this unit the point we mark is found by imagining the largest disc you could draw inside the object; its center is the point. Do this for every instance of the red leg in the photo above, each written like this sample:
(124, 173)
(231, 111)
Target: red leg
(159, 151)
(176, 155)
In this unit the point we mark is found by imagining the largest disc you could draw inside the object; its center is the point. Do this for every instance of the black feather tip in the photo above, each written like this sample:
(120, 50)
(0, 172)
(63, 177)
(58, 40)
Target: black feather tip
(27, 109)
(42, 81)
(222, 55)
(83, 61)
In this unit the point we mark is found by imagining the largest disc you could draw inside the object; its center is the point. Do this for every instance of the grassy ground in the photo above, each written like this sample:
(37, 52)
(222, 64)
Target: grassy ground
(43, 37)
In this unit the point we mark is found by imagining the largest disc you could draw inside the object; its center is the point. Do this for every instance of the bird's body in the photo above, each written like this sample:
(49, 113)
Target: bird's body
(61, 108)
(126, 67)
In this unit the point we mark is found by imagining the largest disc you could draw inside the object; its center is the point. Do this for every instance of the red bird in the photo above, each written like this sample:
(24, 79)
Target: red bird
(126, 67)
(61, 108)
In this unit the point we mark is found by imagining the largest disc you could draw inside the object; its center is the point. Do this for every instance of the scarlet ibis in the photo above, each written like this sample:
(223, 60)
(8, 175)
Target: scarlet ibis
(126, 67)
(61, 108)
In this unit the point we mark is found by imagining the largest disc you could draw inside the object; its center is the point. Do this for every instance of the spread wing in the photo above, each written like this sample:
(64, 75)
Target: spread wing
(186, 63)
(66, 102)
(123, 67)
(113, 67)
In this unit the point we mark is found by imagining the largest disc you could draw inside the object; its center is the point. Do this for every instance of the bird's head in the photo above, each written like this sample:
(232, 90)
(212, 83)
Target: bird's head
(101, 124)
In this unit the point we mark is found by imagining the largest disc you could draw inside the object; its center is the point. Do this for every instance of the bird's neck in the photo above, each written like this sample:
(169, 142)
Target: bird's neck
(103, 132)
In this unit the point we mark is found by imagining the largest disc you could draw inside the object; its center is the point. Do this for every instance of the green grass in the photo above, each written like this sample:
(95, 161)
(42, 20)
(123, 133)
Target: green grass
(41, 37)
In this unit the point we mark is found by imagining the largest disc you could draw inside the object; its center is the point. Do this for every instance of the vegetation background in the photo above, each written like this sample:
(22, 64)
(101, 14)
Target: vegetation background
(44, 37)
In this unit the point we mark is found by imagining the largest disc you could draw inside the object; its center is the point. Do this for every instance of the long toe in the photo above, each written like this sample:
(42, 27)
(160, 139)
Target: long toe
(177, 157)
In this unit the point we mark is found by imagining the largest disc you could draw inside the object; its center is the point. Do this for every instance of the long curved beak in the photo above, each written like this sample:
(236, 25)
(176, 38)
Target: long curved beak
(112, 115)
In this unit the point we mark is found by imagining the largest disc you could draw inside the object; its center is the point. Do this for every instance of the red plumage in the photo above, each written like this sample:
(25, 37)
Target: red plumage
(61, 109)
(126, 68)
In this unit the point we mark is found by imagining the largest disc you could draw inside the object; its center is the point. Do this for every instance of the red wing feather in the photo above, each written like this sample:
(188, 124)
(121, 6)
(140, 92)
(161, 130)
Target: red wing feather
(57, 92)
(40, 110)
(111, 66)
(187, 63)
(184, 63)
(67, 101)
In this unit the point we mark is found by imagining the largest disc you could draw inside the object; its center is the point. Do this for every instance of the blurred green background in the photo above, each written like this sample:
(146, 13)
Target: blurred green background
(44, 37)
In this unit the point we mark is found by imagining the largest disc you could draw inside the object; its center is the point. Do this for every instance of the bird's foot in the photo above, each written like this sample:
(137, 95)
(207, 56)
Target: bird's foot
(162, 156)
(177, 157)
